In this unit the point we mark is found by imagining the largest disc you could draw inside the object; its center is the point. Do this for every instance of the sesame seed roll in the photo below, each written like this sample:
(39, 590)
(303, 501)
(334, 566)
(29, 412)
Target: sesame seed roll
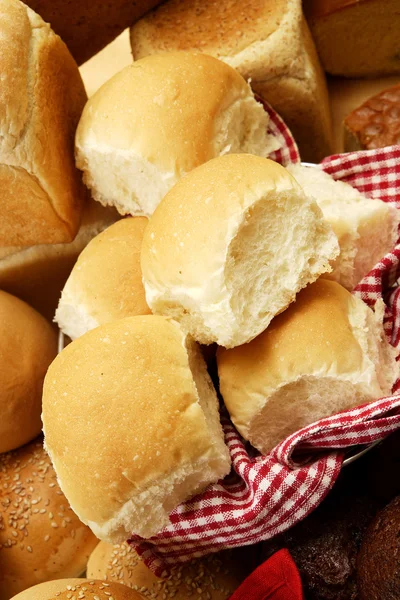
(78, 589)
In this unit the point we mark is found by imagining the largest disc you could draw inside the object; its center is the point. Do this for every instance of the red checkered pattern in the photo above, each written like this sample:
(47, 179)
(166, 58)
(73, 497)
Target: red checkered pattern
(265, 495)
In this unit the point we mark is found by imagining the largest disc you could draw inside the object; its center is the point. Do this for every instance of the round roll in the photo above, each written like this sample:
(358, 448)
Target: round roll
(78, 589)
(41, 100)
(134, 406)
(230, 246)
(28, 344)
(158, 119)
(40, 537)
(92, 296)
(216, 576)
(326, 353)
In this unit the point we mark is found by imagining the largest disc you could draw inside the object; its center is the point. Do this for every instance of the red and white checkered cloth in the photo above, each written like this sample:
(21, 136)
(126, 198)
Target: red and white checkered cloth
(265, 495)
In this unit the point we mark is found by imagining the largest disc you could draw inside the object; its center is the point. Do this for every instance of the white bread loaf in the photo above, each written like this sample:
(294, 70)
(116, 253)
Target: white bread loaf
(229, 247)
(38, 273)
(90, 297)
(326, 353)
(132, 426)
(158, 119)
(366, 229)
(41, 100)
(267, 41)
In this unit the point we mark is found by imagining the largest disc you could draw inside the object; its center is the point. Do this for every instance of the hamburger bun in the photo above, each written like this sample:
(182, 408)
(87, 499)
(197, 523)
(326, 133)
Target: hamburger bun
(28, 344)
(89, 298)
(40, 537)
(74, 589)
(326, 353)
(41, 100)
(158, 119)
(134, 405)
(229, 247)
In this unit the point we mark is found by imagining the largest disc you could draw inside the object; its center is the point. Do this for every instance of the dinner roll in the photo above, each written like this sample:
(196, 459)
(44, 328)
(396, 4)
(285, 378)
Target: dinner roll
(40, 536)
(158, 119)
(89, 298)
(41, 99)
(366, 229)
(28, 344)
(132, 426)
(326, 353)
(230, 246)
(78, 589)
(37, 274)
(214, 577)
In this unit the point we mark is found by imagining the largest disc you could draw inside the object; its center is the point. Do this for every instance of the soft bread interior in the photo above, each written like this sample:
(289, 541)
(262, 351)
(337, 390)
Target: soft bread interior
(72, 316)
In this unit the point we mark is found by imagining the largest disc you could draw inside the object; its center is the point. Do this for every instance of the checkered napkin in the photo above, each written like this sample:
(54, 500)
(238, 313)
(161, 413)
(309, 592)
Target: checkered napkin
(265, 495)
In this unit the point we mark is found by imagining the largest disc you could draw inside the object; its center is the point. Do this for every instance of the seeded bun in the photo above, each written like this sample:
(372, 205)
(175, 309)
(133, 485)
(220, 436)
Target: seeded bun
(90, 299)
(326, 353)
(214, 577)
(40, 537)
(133, 403)
(157, 120)
(41, 99)
(229, 247)
(28, 344)
(78, 589)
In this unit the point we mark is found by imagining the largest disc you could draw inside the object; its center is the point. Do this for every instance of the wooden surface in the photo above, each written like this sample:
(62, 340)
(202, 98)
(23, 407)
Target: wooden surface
(345, 94)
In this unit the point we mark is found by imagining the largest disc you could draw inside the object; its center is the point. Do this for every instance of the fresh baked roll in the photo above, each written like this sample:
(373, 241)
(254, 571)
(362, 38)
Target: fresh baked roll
(157, 120)
(41, 100)
(78, 589)
(229, 247)
(41, 538)
(326, 353)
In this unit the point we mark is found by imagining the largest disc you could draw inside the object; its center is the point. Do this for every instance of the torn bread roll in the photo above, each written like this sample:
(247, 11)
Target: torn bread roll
(40, 536)
(230, 246)
(41, 100)
(89, 299)
(158, 119)
(37, 274)
(78, 589)
(132, 426)
(270, 45)
(366, 229)
(326, 353)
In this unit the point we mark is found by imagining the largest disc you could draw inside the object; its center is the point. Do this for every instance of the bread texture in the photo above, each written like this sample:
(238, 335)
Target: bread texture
(356, 38)
(158, 119)
(37, 274)
(91, 298)
(217, 575)
(84, 589)
(40, 536)
(366, 229)
(28, 344)
(230, 246)
(41, 100)
(326, 353)
(132, 426)
(267, 41)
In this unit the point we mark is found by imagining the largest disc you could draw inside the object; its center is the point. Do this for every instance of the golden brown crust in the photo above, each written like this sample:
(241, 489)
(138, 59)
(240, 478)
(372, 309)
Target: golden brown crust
(82, 589)
(41, 99)
(28, 344)
(40, 536)
(320, 8)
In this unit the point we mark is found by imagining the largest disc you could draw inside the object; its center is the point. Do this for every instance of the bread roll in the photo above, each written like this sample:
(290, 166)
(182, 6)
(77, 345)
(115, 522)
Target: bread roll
(91, 297)
(41, 100)
(267, 41)
(366, 229)
(214, 577)
(230, 246)
(82, 589)
(135, 407)
(356, 38)
(158, 119)
(326, 353)
(28, 344)
(37, 274)
(40, 536)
